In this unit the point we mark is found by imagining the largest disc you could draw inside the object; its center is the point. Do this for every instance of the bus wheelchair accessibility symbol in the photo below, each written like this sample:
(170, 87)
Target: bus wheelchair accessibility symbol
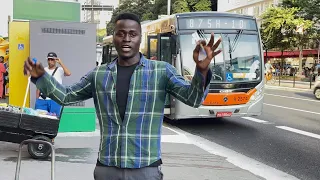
(229, 77)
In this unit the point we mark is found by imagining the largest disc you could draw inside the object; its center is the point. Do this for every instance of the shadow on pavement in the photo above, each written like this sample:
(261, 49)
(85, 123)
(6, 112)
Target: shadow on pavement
(305, 94)
(215, 125)
(69, 155)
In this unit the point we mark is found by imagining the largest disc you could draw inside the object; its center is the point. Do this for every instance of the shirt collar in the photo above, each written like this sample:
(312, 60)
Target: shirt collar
(142, 62)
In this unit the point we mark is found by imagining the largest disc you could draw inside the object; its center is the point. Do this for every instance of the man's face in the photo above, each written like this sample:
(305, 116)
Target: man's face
(127, 38)
(51, 62)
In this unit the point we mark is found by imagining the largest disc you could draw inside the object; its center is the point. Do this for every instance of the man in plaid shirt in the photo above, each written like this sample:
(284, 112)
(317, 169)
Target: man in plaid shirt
(129, 95)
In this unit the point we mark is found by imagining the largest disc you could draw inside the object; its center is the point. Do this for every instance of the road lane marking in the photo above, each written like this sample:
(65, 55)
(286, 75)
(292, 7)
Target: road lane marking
(171, 129)
(299, 131)
(311, 100)
(177, 139)
(256, 120)
(311, 112)
(235, 158)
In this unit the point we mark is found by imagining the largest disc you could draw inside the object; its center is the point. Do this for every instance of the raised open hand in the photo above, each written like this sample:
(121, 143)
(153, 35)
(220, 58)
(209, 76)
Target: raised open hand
(210, 49)
(35, 69)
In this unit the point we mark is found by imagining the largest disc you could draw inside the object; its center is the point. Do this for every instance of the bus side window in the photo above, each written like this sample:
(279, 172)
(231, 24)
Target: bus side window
(105, 53)
(109, 54)
(166, 47)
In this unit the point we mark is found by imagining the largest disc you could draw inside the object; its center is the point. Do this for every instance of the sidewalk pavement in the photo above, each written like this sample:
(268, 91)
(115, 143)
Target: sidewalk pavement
(76, 158)
(289, 84)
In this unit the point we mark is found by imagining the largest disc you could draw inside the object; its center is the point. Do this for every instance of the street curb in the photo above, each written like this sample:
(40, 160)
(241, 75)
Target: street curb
(253, 166)
(80, 134)
(287, 88)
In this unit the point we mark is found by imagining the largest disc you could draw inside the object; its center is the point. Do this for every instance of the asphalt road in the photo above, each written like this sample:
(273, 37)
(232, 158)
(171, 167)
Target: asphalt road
(286, 136)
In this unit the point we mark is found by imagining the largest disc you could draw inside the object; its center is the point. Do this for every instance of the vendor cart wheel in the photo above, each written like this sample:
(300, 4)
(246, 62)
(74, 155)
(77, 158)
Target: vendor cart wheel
(39, 151)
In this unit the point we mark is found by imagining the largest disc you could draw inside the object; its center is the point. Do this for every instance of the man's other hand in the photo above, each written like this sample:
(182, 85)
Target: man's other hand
(210, 50)
(35, 69)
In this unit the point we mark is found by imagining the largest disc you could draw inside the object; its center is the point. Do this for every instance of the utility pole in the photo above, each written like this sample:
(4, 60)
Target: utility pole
(9, 20)
(169, 7)
(318, 52)
(92, 12)
(300, 31)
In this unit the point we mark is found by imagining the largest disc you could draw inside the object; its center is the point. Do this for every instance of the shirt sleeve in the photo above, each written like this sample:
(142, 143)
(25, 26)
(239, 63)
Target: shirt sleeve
(66, 95)
(191, 93)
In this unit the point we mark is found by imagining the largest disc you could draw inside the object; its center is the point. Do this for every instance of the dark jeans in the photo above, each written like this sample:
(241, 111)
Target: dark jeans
(114, 173)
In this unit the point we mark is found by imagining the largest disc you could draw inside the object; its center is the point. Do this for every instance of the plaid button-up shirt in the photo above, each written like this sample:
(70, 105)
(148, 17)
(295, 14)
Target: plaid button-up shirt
(135, 141)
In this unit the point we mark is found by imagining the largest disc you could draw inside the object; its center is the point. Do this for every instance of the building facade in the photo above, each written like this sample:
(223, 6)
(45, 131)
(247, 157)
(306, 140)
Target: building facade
(248, 7)
(98, 11)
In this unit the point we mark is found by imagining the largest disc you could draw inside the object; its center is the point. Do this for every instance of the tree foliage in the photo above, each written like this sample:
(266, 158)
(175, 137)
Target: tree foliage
(181, 6)
(100, 34)
(142, 8)
(202, 5)
(308, 9)
(160, 8)
(148, 11)
(279, 26)
(191, 5)
(279, 29)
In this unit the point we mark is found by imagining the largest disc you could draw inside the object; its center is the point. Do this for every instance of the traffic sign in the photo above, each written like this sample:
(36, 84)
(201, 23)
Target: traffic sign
(20, 46)
(229, 77)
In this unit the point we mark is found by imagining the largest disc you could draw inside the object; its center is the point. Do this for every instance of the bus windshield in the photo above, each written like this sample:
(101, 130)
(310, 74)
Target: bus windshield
(239, 60)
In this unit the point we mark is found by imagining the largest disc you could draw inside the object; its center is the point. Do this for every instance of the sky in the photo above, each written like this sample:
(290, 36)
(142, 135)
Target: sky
(5, 10)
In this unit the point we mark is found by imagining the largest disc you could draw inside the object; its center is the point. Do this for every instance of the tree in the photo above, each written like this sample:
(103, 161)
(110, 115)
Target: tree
(180, 6)
(143, 8)
(202, 5)
(100, 34)
(278, 29)
(160, 8)
(148, 11)
(308, 9)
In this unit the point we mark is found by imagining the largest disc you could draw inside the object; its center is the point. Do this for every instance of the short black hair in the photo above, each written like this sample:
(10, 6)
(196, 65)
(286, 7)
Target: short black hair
(128, 16)
(2, 57)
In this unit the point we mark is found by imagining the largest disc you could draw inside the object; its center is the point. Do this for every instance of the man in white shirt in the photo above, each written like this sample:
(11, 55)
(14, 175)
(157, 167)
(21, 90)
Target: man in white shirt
(58, 73)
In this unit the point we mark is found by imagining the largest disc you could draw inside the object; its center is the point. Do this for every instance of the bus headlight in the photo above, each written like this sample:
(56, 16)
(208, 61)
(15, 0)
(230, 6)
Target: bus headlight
(257, 94)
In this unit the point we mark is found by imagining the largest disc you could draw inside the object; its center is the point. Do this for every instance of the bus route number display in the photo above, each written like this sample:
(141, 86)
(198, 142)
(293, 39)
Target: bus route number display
(217, 23)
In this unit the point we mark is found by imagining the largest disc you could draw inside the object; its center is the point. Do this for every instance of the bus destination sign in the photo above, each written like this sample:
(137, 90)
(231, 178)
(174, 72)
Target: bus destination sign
(216, 23)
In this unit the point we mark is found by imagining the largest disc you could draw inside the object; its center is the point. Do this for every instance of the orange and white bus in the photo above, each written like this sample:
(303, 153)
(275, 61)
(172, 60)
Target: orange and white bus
(237, 85)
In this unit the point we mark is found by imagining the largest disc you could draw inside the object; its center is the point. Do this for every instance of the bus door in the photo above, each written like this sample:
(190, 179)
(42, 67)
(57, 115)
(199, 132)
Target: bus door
(105, 54)
(109, 53)
(152, 47)
(166, 52)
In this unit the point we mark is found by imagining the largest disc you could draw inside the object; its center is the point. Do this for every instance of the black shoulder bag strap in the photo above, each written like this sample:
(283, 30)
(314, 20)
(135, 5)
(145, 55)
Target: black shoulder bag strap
(41, 94)
(54, 71)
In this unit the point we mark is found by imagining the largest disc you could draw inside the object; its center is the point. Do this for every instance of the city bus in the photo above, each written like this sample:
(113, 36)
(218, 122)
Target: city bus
(237, 84)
